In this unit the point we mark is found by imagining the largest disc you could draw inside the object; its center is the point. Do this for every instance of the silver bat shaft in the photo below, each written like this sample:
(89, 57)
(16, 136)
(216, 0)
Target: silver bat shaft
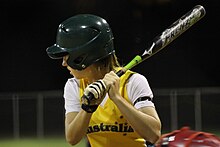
(167, 36)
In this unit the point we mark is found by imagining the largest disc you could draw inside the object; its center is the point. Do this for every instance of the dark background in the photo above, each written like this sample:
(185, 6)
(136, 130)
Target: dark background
(29, 27)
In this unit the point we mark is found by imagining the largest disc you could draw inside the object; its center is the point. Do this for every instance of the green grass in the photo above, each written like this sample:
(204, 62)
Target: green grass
(47, 142)
(33, 142)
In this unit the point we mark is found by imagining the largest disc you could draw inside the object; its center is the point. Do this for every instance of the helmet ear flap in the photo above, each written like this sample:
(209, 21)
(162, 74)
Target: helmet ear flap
(79, 59)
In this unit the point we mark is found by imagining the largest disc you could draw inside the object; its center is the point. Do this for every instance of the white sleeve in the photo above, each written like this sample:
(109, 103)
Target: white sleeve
(71, 96)
(137, 87)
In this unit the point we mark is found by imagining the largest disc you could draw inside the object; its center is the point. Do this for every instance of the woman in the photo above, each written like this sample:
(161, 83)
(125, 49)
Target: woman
(120, 111)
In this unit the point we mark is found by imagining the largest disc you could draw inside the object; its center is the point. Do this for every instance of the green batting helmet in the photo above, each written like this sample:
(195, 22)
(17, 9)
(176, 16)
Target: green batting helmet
(85, 38)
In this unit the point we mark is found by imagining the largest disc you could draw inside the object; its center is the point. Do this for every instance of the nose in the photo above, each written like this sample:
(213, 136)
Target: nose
(64, 63)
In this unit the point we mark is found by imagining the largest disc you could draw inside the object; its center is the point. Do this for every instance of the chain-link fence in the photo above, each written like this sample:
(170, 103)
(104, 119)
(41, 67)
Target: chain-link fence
(41, 114)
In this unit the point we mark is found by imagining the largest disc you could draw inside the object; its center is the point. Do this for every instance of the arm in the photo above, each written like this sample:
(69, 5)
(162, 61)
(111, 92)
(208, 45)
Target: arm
(145, 121)
(76, 124)
(76, 119)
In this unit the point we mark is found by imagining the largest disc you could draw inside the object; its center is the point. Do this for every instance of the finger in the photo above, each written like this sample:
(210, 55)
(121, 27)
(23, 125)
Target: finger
(95, 90)
(101, 84)
(92, 90)
(98, 89)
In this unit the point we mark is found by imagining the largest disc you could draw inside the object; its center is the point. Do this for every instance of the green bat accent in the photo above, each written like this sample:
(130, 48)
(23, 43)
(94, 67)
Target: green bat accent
(133, 62)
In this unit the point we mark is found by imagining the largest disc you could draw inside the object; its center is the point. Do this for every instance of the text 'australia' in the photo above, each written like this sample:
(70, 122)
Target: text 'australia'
(122, 127)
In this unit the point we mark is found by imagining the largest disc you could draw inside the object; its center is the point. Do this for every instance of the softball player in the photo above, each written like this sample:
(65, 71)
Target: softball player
(121, 112)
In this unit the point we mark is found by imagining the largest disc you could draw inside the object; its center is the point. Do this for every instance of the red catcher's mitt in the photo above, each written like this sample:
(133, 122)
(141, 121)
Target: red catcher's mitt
(188, 138)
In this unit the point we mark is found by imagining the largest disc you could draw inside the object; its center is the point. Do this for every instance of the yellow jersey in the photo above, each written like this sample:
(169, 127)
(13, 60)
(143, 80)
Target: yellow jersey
(108, 127)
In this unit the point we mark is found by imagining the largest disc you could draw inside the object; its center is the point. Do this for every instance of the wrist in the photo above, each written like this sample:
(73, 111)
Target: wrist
(116, 98)
(89, 108)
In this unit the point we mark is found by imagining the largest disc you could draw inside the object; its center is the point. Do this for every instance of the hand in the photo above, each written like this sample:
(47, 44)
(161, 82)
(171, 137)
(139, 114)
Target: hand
(93, 96)
(112, 82)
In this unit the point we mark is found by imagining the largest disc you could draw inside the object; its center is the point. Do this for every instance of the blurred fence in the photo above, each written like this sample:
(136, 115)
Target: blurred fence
(41, 114)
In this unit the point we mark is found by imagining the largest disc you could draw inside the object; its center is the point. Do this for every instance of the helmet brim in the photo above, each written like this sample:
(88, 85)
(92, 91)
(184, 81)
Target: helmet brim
(56, 52)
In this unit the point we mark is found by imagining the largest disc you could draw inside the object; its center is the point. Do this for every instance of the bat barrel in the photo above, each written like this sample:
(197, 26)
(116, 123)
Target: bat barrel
(179, 26)
(174, 30)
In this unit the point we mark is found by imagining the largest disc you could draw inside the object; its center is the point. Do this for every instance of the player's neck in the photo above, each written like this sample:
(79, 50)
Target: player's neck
(96, 76)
